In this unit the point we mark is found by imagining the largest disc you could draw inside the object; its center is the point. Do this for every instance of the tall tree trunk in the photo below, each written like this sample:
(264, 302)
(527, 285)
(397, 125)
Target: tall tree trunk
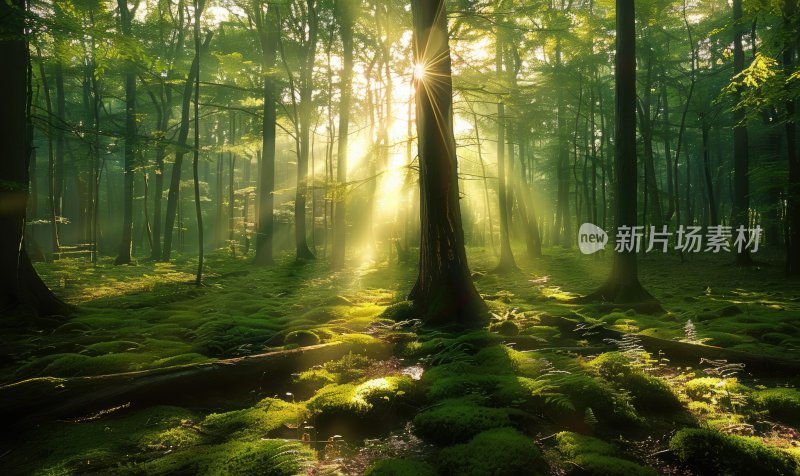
(51, 162)
(268, 36)
(444, 292)
(21, 289)
(741, 180)
(623, 284)
(533, 242)
(562, 231)
(507, 262)
(183, 135)
(306, 111)
(479, 145)
(792, 235)
(346, 15)
(709, 183)
(646, 128)
(124, 254)
(232, 187)
(198, 11)
(60, 149)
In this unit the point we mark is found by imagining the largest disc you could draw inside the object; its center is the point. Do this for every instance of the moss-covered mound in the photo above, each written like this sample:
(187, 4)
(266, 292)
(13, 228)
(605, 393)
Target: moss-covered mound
(592, 464)
(351, 407)
(400, 467)
(649, 394)
(710, 452)
(497, 452)
(458, 420)
(782, 404)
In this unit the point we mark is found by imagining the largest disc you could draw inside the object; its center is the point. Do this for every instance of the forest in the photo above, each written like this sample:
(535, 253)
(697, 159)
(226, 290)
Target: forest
(399, 237)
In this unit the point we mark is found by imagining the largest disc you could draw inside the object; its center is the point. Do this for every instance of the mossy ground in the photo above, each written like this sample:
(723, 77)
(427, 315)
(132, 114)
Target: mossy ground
(564, 404)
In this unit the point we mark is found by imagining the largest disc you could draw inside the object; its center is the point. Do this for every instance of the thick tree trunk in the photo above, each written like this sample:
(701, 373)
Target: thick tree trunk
(444, 292)
(339, 212)
(21, 289)
(740, 215)
(623, 284)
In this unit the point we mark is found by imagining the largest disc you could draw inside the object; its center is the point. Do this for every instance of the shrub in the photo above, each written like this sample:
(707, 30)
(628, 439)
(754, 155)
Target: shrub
(710, 452)
(458, 420)
(301, 338)
(573, 444)
(261, 458)
(400, 467)
(592, 464)
(648, 393)
(781, 403)
(496, 452)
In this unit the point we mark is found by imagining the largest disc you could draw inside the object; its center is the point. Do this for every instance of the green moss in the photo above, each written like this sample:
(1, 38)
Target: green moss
(99, 445)
(505, 328)
(400, 467)
(709, 452)
(458, 420)
(316, 378)
(116, 346)
(261, 458)
(183, 359)
(301, 338)
(782, 404)
(649, 394)
(400, 311)
(591, 464)
(496, 452)
(610, 406)
(362, 401)
(573, 444)
(254, 422)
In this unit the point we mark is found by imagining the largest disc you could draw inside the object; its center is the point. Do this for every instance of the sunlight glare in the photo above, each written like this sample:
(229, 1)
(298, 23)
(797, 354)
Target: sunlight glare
(419, 72)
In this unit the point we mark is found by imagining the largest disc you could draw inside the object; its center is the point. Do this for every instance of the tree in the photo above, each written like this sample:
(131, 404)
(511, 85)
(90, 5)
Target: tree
(740, 215)
(268, 36)
(183, 135)
(124, 255)
(198, 10)
(346, 16)
(506, 262)
(444, 292)
(20, 285)
(623, 284)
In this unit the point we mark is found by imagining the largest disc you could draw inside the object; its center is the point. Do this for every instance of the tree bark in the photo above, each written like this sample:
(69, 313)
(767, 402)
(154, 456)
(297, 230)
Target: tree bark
(124, 254)
(623, 284)
(741, 181)
(305, 113)
(346, 15)
(444, 292)
(21, 289)
(792, 235)
(507, 262)
(183, 135)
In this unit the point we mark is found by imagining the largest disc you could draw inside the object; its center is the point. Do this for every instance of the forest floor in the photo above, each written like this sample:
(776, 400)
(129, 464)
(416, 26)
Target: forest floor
(550, 387)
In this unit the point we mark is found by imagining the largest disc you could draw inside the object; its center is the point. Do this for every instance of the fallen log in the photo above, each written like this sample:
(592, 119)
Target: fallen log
(45, 399)
(683, 353)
